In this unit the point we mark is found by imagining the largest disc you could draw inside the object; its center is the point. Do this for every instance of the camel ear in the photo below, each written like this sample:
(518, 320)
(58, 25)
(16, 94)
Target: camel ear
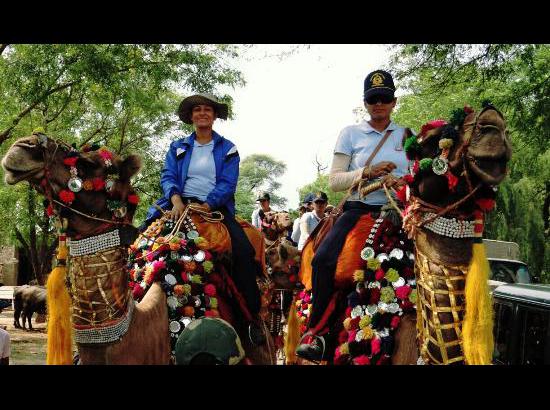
(129, 167)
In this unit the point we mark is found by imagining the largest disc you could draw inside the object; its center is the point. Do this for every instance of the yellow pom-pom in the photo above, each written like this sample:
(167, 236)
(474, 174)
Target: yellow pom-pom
(373, 263)
(359, 275)
(344, 349)
(445, 143)
(347, 322)
(368, 333)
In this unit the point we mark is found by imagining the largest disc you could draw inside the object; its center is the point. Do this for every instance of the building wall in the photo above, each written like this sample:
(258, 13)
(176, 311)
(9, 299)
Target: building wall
(9, 265)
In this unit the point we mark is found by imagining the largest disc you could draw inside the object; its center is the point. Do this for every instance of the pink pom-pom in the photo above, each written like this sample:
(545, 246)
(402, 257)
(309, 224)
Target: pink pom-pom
(150, 256)
(210, 290)
(362, 360)
(302, 294)
(402, 292)
(138, 292)
(307, 298)
(375, 345)
(207, 256)
(351, 336)
(158, 266)
(395, 322)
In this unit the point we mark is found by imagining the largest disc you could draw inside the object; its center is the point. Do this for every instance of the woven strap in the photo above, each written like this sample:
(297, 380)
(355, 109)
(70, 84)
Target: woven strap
(340, 206)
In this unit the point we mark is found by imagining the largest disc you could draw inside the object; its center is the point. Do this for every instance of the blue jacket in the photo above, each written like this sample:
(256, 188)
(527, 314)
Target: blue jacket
(174, 173)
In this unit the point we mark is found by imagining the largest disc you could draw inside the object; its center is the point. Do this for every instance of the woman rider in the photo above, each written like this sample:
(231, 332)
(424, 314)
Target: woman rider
(203, 169)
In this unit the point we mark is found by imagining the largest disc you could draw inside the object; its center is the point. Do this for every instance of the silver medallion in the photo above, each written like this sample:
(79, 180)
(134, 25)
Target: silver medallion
(367, 253)
(192, 234)
(440, 166)
(172, 302)
(180, 235)
(398, 283)
(382, 257)
(397, 253)
(371, 310)
(170, 279)
(175, 326)
(197, 301)
(120, 212)
(186, 258)
(200, 256)
(183, 300)
(75, 184)
(109, 184)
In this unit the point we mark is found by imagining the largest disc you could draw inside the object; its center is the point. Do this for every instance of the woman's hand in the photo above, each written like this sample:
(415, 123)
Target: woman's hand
(381, 169)
(177, 208)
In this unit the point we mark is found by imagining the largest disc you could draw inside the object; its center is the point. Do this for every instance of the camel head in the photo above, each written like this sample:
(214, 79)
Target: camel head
(453, 158)
(93, 182)
(281, 219)
(284, 260)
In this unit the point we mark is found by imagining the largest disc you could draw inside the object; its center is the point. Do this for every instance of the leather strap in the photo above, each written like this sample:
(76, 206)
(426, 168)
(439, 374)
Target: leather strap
(339, 208)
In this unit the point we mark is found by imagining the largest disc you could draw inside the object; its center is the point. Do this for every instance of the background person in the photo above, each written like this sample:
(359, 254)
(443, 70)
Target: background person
(295, 236)
(310, 220)
(5, 346)
(258, 215)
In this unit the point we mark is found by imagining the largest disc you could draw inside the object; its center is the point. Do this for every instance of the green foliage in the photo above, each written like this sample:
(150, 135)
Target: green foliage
(441, 79)
(258, 172)
(321, 184)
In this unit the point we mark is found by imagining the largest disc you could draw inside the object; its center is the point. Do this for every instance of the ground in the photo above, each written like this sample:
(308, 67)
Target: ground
(27, 347)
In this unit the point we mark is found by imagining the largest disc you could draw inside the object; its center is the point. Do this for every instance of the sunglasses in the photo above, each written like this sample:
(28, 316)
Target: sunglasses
(384, 99)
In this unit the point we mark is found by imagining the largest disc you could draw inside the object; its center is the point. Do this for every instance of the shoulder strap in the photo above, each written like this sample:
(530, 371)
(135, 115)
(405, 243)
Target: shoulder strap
(340, 206)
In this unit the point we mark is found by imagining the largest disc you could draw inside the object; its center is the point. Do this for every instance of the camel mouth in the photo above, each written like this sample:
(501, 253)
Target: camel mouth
(489, 170)
(13, 176)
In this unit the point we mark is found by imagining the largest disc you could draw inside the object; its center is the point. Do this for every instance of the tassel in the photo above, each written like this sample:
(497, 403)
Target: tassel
(477, 331)
(59, 350)
(292, 337)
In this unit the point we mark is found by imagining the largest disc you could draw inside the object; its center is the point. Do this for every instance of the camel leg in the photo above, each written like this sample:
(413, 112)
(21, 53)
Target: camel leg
(16, 316)
(406, 348)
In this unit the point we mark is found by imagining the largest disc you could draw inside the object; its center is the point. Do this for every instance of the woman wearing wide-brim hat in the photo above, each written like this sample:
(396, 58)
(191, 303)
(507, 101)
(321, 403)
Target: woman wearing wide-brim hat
(203, 168)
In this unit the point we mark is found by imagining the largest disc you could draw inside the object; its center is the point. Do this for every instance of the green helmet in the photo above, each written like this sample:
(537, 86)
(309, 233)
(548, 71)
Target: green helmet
(209, 336)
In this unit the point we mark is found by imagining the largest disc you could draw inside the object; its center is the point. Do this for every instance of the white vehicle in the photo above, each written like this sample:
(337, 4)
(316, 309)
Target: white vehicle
(506, 267)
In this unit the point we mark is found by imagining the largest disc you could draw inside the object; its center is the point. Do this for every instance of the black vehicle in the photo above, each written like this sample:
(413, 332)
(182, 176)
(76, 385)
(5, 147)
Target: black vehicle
(522, 324)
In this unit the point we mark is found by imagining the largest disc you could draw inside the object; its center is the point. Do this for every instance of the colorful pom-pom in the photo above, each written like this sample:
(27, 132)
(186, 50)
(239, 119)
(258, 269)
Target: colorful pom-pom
(359, 275)
(67, 196)
(425, 163)
(133, 199)
(387, 294)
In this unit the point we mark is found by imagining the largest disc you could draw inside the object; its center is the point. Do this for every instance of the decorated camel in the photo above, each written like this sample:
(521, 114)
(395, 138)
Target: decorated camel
(91, 196)
(456, 168)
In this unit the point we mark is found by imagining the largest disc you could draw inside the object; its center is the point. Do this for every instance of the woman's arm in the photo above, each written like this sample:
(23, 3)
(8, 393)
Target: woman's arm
(227, 183)
(340, 179)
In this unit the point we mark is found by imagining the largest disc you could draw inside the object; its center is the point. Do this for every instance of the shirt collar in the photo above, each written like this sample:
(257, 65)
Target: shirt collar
(365, 126)
(190, 139)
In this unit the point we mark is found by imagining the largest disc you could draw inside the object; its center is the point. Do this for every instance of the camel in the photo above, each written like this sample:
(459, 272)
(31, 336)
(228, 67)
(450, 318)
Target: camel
(275, 227)
(103, 207)
(443, 327)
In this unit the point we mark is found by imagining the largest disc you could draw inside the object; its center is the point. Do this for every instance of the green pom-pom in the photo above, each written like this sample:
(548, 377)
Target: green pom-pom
(196, 279)
(213, 303)
(392, 275)
(187, 289)
(364, 322)
(387, 294)
(411, 144)
(425, 163)
(457, 117)
(373, 264)
(413, 296)
(208, 266)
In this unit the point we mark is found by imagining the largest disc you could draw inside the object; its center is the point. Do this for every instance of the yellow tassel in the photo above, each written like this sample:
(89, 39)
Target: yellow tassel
(477, 331)
(59, 349)
(292, 335)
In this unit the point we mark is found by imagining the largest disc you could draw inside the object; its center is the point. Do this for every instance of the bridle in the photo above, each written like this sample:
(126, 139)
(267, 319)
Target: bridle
(49, 189)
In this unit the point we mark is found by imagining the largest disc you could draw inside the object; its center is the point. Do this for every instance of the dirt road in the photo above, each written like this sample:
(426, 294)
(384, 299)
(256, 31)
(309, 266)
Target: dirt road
(27, 347)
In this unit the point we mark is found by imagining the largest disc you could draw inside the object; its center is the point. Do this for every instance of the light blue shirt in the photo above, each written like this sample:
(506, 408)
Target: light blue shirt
(201, 176)
(358, 141)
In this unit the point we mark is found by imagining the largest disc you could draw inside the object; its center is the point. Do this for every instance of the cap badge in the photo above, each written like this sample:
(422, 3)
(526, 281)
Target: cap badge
(377, 80)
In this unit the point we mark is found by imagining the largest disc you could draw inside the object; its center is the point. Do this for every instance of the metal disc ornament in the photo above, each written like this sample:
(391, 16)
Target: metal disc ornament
(172, 302)
(170, 279)
(200, 256)
(120, 212)
(109, 184)
(192, 234)
(186, 320)
(186, 258)
(197, 301)
(175, 326)
(397, 253)
(367, 253)
(440, 166)
(180, 235)
(75, 184)
(382, 257)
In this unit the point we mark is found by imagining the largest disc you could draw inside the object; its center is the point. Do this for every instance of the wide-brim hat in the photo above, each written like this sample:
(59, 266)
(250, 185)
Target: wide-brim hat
(186, 106)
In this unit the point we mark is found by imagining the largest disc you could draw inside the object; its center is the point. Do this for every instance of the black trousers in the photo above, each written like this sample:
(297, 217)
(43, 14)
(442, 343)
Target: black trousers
(326, 258)
(244, 267)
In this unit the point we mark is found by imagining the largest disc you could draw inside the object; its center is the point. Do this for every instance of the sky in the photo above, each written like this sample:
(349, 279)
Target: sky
(294, 107)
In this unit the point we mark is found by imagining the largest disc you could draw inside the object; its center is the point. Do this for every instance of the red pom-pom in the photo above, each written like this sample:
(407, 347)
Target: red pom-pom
(402, 292)
(451, 180)
(395, 322)
(485, 204)
(210, 290)
(49, 210)
(138, 292)
(416, 167)
(133, 199)
(374, 296)
(375, 346)
(99, 183)
(351, 335)
(432, 125)
(362, 360)
(67, 196)
(354, 324)
(408, 178)
(402, 194)
(70, 161)
(348, 311)
(379, 274)
(292, 278)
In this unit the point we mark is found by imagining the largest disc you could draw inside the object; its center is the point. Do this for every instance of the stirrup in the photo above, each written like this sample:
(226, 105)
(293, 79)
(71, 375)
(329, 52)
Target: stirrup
(323, 344)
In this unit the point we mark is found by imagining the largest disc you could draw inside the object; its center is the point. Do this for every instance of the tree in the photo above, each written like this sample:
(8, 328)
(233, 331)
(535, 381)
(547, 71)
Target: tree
(516, 79)
(118, 95)
(257, 173)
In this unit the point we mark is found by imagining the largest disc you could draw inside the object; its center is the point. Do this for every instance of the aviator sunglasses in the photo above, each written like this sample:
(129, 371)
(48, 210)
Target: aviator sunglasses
(384, 99)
